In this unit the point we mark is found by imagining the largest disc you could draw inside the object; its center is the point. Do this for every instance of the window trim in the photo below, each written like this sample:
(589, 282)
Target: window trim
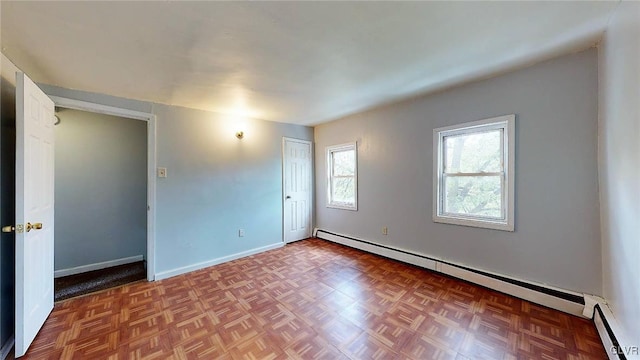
(507, 123)
(329, 161)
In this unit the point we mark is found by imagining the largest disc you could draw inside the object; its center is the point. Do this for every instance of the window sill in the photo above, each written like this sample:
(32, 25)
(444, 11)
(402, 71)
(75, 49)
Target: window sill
(342, 207)
(486, 224)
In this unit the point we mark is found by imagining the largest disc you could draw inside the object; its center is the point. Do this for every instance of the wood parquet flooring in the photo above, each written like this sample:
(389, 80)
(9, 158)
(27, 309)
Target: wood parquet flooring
(311, 300)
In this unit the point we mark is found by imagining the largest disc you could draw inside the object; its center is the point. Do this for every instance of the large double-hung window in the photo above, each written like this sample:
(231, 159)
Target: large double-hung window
(474, 173)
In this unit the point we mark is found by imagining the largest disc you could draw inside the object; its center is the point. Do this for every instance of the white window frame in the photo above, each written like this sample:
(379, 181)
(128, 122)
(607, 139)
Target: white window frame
(329, 153)
(506, 223)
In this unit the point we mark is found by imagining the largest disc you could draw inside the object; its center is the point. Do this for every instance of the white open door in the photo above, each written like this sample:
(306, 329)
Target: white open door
(34, 210)
(297, 189)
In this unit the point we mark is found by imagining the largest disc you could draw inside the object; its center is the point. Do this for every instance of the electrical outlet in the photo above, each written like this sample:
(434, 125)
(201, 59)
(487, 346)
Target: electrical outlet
(162, 172)
(385, 231)
(240, 232)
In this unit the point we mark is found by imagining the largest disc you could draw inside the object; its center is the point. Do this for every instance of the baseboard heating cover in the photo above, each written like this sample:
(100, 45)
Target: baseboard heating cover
(617, 345)
(584, 305)
(555, 298)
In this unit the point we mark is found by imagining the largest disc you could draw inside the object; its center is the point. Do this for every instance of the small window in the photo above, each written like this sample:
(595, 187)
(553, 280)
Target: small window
(342, 170)
(474, 173)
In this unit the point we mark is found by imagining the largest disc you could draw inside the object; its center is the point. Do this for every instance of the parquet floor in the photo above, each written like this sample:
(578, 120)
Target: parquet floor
(311, 300)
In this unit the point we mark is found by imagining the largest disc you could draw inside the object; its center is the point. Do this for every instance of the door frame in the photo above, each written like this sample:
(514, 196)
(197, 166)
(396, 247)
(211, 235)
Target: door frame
(311, 187)
(150, 118)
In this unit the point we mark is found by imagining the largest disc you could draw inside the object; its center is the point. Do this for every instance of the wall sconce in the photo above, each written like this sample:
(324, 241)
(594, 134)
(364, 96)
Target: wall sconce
(240, 134)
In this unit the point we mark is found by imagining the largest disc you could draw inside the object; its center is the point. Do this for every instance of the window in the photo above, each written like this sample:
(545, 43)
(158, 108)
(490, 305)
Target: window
(474, 173)
(342, 170)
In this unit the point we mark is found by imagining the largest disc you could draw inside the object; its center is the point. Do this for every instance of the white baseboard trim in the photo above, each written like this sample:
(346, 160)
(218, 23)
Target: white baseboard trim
(6, 348)
(481, 277)
(185, 269)
(96, 266)
(616, 343)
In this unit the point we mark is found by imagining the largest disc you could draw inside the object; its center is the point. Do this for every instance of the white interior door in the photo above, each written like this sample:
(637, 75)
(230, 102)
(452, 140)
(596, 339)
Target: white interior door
(34, 210)
(297, 189)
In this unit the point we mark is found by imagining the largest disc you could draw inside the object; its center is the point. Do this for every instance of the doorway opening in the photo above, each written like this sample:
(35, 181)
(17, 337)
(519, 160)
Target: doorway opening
(105, 192)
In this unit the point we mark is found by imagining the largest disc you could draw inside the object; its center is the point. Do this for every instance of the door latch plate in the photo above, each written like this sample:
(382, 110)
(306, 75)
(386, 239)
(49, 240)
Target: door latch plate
(19, 229)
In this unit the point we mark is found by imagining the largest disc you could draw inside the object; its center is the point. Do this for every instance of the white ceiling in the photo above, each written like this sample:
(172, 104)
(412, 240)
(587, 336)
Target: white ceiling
(297, 62)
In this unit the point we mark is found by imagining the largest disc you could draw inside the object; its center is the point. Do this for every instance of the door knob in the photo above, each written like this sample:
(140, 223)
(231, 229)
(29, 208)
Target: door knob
(29, 226)
(288, 197)
(8, 229)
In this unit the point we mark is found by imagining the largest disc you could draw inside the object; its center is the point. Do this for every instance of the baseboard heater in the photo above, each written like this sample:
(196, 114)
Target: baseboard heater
(574, 303)
(617, 347)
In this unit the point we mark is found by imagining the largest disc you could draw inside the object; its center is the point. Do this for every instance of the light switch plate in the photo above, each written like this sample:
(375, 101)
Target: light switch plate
(162, 172)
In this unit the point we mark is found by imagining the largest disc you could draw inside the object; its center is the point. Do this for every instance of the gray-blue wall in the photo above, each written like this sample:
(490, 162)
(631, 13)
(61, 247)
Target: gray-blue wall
(557, 233)
(100, 188)
(216, 184)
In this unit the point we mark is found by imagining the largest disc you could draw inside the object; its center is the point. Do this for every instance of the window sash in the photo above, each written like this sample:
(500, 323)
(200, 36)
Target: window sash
(462, 174)
(343, 176)
(468, 131)
(503, 196)
(333, 163)
(350, 202)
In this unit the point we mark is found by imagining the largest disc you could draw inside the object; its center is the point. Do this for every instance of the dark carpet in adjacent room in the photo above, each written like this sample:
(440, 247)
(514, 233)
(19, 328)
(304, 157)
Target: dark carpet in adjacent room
(79, 284)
